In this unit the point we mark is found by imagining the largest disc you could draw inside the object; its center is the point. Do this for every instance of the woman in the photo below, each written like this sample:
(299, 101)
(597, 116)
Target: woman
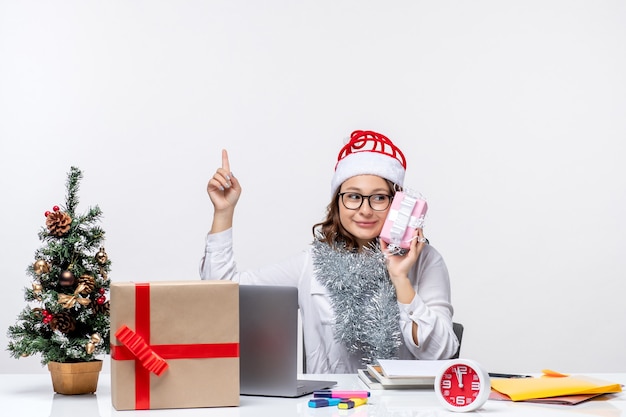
(358, 302)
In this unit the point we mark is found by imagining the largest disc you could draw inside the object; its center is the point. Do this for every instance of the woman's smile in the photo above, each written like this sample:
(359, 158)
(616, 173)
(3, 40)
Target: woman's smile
(366, 224)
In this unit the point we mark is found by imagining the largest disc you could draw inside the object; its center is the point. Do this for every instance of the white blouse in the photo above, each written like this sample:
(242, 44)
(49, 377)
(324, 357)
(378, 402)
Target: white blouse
(431, 308)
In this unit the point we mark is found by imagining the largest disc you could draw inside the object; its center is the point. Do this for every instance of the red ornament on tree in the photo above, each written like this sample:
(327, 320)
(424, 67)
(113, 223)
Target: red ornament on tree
(47, 213)
(101, 300)
(47, 317)
(56, 208)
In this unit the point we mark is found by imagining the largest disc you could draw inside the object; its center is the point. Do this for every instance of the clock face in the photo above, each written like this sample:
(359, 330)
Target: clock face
(462, 386)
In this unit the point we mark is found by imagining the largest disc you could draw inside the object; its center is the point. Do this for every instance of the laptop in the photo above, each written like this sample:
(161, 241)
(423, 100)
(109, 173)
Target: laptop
(268, 343)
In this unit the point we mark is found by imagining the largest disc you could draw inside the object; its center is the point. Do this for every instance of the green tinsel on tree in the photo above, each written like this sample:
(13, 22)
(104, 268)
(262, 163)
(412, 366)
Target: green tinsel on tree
(67, 314)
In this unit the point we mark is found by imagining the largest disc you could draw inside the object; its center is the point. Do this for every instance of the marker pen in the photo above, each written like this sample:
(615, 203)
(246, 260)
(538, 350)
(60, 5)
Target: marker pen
(496, 375)
(323, 402)
(351, 403)
(328, 393)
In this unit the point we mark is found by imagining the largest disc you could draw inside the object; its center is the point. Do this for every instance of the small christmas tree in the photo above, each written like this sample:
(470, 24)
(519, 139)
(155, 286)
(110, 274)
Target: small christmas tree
(67, 316)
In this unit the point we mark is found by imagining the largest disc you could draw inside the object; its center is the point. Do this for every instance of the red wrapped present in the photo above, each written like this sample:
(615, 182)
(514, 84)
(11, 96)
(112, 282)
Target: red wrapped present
(174, 344)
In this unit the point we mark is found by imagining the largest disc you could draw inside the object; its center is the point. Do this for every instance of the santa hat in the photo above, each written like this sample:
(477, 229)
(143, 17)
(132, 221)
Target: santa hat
(368, 153)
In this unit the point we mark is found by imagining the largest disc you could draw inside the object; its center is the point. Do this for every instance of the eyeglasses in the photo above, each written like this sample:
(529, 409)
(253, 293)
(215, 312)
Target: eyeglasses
(354, 201)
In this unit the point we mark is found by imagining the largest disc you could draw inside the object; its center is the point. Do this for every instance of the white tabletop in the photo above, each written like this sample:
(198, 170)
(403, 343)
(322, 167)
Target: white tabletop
(32, 395)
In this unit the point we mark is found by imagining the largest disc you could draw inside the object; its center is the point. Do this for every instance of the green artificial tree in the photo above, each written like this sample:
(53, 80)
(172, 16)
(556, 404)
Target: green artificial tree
(67, 314)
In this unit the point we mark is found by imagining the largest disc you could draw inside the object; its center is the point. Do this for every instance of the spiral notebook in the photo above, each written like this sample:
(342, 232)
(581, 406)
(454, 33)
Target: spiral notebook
(268, 342)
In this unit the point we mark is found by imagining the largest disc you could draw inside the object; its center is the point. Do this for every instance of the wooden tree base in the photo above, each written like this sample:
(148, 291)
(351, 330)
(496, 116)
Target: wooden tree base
(75, 378)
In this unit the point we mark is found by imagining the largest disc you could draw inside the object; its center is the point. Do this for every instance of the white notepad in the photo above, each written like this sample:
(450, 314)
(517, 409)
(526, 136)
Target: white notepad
(410, 368)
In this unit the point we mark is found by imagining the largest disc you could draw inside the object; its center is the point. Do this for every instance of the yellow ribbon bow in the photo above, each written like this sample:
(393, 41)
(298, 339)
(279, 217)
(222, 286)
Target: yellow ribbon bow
(68, 301)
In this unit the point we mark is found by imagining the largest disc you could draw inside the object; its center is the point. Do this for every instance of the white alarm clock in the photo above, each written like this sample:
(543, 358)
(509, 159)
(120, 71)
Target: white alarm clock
(462, 385)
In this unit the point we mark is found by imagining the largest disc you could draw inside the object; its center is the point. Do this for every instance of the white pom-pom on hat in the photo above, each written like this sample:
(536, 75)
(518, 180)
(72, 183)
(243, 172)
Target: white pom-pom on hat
(368, 153)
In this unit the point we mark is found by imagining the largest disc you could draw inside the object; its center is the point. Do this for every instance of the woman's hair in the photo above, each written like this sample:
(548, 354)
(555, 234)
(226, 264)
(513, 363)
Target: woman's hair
(331, 231)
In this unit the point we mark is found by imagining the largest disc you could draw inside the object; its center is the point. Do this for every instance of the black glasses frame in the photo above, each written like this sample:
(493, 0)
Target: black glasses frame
(363, 198)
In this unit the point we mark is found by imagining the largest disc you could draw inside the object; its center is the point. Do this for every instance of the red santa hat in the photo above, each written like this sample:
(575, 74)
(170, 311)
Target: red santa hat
(369, 153)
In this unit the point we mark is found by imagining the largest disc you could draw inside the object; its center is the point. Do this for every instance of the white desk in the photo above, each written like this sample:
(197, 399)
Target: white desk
(32, 395)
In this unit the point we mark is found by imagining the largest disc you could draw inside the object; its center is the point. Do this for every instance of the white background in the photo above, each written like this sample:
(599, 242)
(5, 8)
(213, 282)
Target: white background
(511, 115)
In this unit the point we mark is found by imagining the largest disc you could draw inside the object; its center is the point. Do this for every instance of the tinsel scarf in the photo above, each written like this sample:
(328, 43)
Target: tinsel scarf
(363, 299)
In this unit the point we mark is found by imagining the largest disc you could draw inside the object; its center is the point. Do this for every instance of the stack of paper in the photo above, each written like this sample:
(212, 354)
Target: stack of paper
(399, 374)
(552, 387)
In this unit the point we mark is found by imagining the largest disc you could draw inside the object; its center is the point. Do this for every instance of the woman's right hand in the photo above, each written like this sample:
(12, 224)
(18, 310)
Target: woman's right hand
(224, 189)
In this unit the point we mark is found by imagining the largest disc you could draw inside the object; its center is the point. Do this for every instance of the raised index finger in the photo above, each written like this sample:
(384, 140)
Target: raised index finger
(225, 163)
